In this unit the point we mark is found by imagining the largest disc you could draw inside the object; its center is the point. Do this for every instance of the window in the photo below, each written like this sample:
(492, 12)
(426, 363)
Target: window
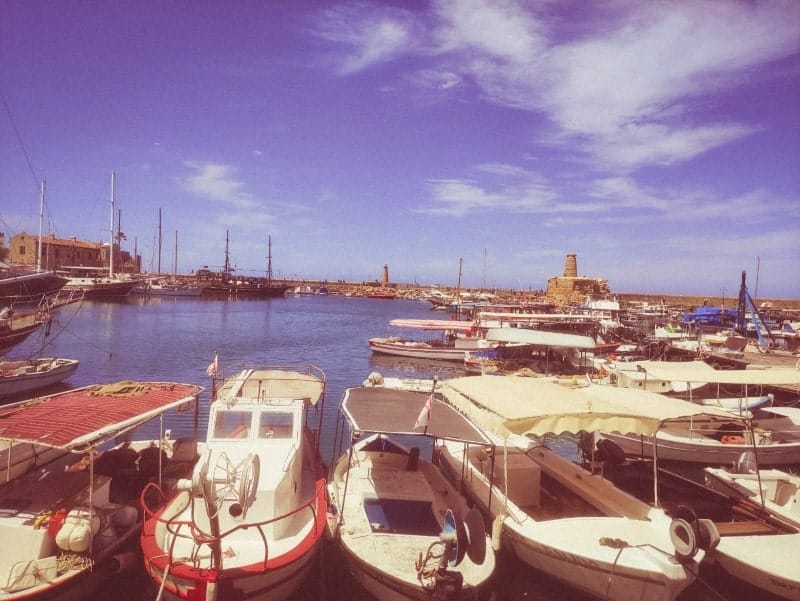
(232, 424)
(275, 425)
(21, 249)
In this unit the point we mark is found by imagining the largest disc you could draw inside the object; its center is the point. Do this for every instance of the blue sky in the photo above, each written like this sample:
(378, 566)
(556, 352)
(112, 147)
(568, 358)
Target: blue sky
(659, 141)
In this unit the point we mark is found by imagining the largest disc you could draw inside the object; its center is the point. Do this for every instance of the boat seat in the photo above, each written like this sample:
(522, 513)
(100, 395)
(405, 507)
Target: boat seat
(744, 528)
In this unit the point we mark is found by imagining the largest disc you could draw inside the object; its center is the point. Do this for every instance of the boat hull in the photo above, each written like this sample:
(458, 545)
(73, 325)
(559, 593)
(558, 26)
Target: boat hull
(29, 380)
(704, 451)
(419, 350)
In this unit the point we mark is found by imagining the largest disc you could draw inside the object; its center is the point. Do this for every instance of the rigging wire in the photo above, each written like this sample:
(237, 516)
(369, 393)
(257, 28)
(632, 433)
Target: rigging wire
(19, 139)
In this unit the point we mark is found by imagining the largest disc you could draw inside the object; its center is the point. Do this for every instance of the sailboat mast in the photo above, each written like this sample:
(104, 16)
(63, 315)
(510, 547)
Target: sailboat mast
(159, 240)
(175, 263)
(111, 251)
(458, 289)
(41, 219)
(269, 259)
(227, 269)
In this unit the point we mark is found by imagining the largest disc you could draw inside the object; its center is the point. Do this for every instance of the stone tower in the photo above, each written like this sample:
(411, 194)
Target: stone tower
(571, 266)
(385, 280)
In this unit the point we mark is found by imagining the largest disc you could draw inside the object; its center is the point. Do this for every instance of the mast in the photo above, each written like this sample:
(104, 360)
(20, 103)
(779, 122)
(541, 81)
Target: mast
(269, 259)
(458, 288)
(159, 240)
(111, 253)
(227, 268)
(175, 262)
(41, 218)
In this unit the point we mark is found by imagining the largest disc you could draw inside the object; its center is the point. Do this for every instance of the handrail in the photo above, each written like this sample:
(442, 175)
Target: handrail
(200, 538)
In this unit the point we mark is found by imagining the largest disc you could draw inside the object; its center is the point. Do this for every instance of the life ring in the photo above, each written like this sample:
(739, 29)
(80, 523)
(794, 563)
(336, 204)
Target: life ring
(729, 439)
(683, 538)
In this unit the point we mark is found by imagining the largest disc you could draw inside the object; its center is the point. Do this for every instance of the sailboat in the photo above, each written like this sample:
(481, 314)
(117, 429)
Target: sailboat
(91, 280)
(226, 285)
(21, 283)
(173, 286)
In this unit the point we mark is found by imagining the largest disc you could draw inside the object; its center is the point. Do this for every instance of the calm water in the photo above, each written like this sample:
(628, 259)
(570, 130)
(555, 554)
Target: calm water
(175, 340)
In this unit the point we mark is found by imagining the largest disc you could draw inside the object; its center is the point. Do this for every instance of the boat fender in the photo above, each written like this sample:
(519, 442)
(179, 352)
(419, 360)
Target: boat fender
(683, 538)
(75, 534)
(708, 535)
(497, 530)
(733, 440)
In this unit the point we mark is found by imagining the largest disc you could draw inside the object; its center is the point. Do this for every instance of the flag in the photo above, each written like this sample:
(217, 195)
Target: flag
(211, 370)
(424, 414)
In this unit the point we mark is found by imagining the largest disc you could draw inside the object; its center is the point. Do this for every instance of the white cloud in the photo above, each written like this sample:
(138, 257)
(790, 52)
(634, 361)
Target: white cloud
(217, 182)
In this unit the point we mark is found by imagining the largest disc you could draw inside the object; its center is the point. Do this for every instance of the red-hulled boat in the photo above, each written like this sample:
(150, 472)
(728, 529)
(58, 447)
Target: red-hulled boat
(250, 522)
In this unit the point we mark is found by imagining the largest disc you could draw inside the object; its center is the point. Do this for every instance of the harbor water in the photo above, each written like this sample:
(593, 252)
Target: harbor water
(175, 339)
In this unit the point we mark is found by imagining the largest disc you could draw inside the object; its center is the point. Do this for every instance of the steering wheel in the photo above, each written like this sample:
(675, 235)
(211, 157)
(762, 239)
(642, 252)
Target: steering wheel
(237, 483)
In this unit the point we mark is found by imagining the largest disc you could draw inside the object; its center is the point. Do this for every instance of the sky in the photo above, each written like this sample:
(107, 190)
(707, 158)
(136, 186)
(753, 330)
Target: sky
(657, 141)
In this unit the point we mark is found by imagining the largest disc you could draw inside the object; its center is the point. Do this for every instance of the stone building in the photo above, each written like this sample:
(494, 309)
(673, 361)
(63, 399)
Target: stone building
(571, 289)
(67, 252)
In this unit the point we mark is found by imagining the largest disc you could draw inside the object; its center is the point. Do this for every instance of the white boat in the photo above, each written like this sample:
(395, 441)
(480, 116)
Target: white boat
(405, 532)
(772, 432)
(251, 521)
(27, 375)
(68, 527)
(758, 540)
(774, 490)
(556, 517)
(173, 288)
(457, 338)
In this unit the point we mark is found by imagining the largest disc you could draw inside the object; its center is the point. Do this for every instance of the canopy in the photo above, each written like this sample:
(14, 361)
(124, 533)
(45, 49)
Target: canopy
(699, 371)
(90, 415)
(433, 324)
(389, 410)
(508, 405)
(540, 338)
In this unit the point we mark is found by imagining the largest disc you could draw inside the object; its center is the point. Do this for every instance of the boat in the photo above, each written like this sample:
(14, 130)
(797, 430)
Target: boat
(758, 538)
(773, 432)
(97, 282)
(777, 491)
(21, 284)
(24, 283)
(173, 288)
(69, 526)
(252, 518)
(224, 285)
(405, 532)
(17, 324)
(23, 376)
(457, 337)
(101, 282)
(553, 515)
(543, 351)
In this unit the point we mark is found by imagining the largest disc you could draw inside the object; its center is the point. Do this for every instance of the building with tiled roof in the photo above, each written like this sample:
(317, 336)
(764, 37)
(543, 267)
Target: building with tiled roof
(67, 252)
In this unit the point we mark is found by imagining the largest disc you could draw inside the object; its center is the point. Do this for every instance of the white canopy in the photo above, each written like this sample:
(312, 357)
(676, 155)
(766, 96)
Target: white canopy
(433, 324)
(540, 338)
(699, 371)
(508, 405)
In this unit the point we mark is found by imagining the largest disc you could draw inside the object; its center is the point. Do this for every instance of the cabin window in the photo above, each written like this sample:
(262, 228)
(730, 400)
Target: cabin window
(232, 424)
(275, 425)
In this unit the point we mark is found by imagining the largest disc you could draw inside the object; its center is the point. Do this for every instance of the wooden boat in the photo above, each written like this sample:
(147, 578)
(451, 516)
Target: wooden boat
(554, 516)
(17, 324)
(25, 284)
(252, 518)
(456, 339)
(66, 528)
(405, 532)
(27, 375)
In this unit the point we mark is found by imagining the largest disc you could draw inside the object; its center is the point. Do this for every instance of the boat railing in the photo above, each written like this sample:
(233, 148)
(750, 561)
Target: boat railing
(188, 530)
